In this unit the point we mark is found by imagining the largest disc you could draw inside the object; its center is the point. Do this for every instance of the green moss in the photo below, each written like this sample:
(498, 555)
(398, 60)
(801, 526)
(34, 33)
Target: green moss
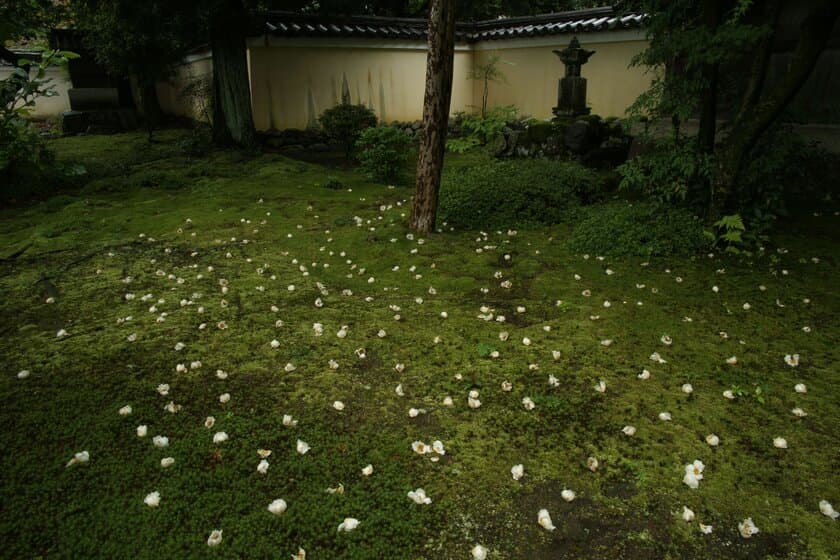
(86, 244)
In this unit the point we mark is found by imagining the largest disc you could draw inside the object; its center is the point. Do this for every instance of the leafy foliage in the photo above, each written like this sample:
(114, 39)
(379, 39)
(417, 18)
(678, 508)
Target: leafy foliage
(514, 193)
(642, 229)
(477, 130)
(486, 73)
(23, 153)
(344, 123)
(383, 152)
(669, 171)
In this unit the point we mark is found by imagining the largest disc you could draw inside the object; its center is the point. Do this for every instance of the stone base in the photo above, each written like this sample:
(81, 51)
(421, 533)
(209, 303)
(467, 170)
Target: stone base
(558, 112)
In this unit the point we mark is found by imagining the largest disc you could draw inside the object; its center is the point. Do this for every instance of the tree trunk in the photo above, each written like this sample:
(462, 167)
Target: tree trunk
(439, 66)
(708, 97)
(752, 124)
(233, 121)
(150, 103)
(761, 58)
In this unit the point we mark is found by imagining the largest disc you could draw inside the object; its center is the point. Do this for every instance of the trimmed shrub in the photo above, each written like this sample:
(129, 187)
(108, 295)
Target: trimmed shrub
(514, 193)
(344, 123)
(641, 229)
(384, 150)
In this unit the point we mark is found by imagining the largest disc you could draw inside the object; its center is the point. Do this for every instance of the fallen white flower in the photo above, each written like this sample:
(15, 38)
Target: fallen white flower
(517, 471)
(215, 538)
(348, 524)
(126, 410)
(629, 430)
(592, 464)
(544, 519)
(828, 510)
(780, 443)
(567, 495)
(78, 459)
(277, 507)
(368, 470)
(792, 359)
(262, 468)
(142, 430)
(338, 405)
(302, 447)
(694, 474)
(152, 500)
(220, 437)
(419, 497)
(687, 514)
(528, 403)
(160, 441)
(800, 388)
(167, 462)
(712, 440)
(665, 416)
(479, 552)
(747, 528)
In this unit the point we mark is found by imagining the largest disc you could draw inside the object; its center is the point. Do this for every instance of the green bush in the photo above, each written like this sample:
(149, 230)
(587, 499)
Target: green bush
(669, 171)
(384, 150)
(641, 229)
(158, 179)
(479, 130)
(514, 193)
(345, 122)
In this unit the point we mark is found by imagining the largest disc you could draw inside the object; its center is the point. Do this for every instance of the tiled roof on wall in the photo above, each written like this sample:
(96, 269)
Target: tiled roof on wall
(284, 24)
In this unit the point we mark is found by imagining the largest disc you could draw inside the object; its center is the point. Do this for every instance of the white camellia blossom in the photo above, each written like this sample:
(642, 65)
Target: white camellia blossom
(792, 359)
(437, 447)
(338, 405)
(567, 494)
(747, 528)
(479, 552)
(728, 394)
(601, 386)
(160, 441)
(694, 474)
(713, 440)
(288, 421)
(79, 458)
(665, 416)
(262, 468)
(629, 430)
(419, 497)
(142, 430)
(224, 398)
(655, 357)
(780, 443)
(153, 499)
(220, 437)
(517, 471)
(687, 514)
(706, 529)
(644, 375)
(687, 388)
(23, 374)
(215, 538)
(302, 447)
(348, 524)
(800, 388)
(592, 464)
(544, 520)
(528, 403)
(167, 462)
(209, 422)
(828, 510)
(368, 470)
(126, 410)
(420, 448)
(277, 507)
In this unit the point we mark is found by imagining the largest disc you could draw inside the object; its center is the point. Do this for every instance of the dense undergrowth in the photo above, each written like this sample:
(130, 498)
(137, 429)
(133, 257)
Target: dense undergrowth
(254, 225)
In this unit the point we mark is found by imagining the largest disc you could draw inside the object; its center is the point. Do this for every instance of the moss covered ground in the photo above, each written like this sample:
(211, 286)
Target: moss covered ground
(158, 249)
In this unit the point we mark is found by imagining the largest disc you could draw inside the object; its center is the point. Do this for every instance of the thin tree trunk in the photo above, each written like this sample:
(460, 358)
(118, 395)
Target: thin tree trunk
(152, 112)
(750, 126)
(708, 98)
(233, 120)
(761, 60)
(439, 67)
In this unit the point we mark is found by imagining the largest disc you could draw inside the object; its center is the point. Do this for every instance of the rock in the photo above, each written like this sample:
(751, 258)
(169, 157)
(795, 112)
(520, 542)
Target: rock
(580, 137)
(416, 125)
(499, 146)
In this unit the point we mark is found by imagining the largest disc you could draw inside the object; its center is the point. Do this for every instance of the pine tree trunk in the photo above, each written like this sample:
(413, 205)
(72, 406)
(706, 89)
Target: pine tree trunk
(439, 67)
(233, 121)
